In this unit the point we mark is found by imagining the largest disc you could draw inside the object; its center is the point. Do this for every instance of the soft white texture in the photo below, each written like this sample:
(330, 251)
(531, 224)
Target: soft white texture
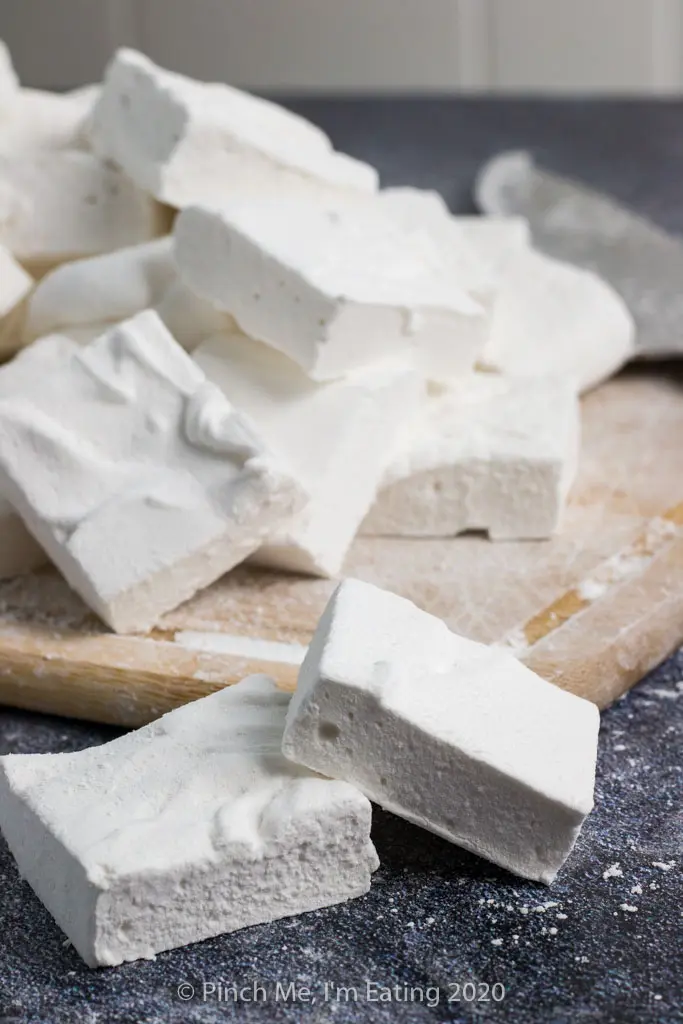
(334, 285)
(41, 120)
(15, 283)
(19, 552)
(488, 453)
(186, 141)
(55, 205)
(334, 437)
(9, 83)
(551, 318)
(115, 286)
(136, 475)
(192, 826)
(457, 737)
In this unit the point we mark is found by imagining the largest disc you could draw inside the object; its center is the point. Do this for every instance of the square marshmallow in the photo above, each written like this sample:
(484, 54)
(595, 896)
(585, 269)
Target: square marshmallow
(489, 453)
(115, 286)
(334, 437)
(334, 285)
(210, 141)
(136, 475)
(19, 551)
(190, 827)
(59, 205)
(452, 735)
(41, 120)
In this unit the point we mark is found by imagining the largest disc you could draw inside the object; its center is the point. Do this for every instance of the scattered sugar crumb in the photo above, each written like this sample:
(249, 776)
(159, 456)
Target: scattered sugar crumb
(515, 938)
(509, 906)
(561, 917)
(657, 998)
(430, 920)
(591, 590)
(653, 885)
(619, 746)
(551, 903)
(666, 694)
(663, 866)
(581, 959)
(524, 910)
(613, 871)
(628, 908)
(482, 902)
(393, 910)
(411, 924)
(637, 890)
(496, 942)
(540, 909)
(552, 931)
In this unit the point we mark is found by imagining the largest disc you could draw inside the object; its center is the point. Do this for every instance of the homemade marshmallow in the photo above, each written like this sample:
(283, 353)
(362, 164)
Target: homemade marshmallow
(334, 437)
(136, 475)
(9, 83)
(115, 286)
(210, 140)
(59, 205)
(452, 735)
(551, 318)
(335, 285)
(489, 453)
(193, 826)
(15, 286)
(41, 120)
(19, 552)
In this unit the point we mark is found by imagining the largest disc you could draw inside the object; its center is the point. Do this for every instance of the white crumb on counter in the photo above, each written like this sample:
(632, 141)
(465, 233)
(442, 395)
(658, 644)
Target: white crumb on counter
(242, 646)
(614, 871)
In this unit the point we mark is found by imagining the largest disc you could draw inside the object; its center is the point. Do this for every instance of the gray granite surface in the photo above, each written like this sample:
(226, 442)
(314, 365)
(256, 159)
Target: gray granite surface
(440, 928)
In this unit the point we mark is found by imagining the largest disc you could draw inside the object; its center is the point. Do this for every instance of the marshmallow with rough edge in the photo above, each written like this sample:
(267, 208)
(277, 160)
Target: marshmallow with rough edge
(59, 205)
(136, 475)
(334, 285)
(488, 453)
(209, 140)
(42, 120)
(115, 286)
(19, 552)
(334, 437)
(9, 83)
(553, 319)
(192, 826)
(452, 735)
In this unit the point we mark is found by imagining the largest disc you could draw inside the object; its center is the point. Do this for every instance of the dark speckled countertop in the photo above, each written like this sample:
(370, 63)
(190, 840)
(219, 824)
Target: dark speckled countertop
(437, 920)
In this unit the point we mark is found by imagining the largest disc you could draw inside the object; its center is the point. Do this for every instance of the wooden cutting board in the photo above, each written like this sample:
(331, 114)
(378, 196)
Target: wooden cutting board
(591, 610)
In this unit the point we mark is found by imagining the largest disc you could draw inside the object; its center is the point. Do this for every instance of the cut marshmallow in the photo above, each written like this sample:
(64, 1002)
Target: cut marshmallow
(190, 827)
(457, 737)
(104, 290)
(333, 285)
(210, 140)
(41, 120)
(15, 286)
(136, 475)
(19, 552)
(334, 437)
(489, 453)
(9, 84)
(551, 318)
(59, 205)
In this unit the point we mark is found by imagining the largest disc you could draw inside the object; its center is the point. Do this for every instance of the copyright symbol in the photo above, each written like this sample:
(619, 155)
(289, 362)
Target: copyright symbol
(185, 991)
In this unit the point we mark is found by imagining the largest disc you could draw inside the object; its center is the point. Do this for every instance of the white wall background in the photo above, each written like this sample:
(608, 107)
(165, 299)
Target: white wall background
(609, 46)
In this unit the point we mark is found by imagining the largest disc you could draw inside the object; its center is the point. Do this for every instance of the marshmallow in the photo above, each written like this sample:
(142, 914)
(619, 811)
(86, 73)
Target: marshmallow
(19, 552)
(488, 453)
(135, 474)
(334, 285)
(553, 319)
(41, 120)
(59, 205)
(452, 735)
(104, 290)
(15, 286)
(9, 83)
(210, 140)
(333, 436)
(193, 826)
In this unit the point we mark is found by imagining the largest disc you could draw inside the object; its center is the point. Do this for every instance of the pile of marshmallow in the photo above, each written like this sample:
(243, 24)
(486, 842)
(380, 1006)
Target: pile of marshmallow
(240, 347)
(246, 806)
